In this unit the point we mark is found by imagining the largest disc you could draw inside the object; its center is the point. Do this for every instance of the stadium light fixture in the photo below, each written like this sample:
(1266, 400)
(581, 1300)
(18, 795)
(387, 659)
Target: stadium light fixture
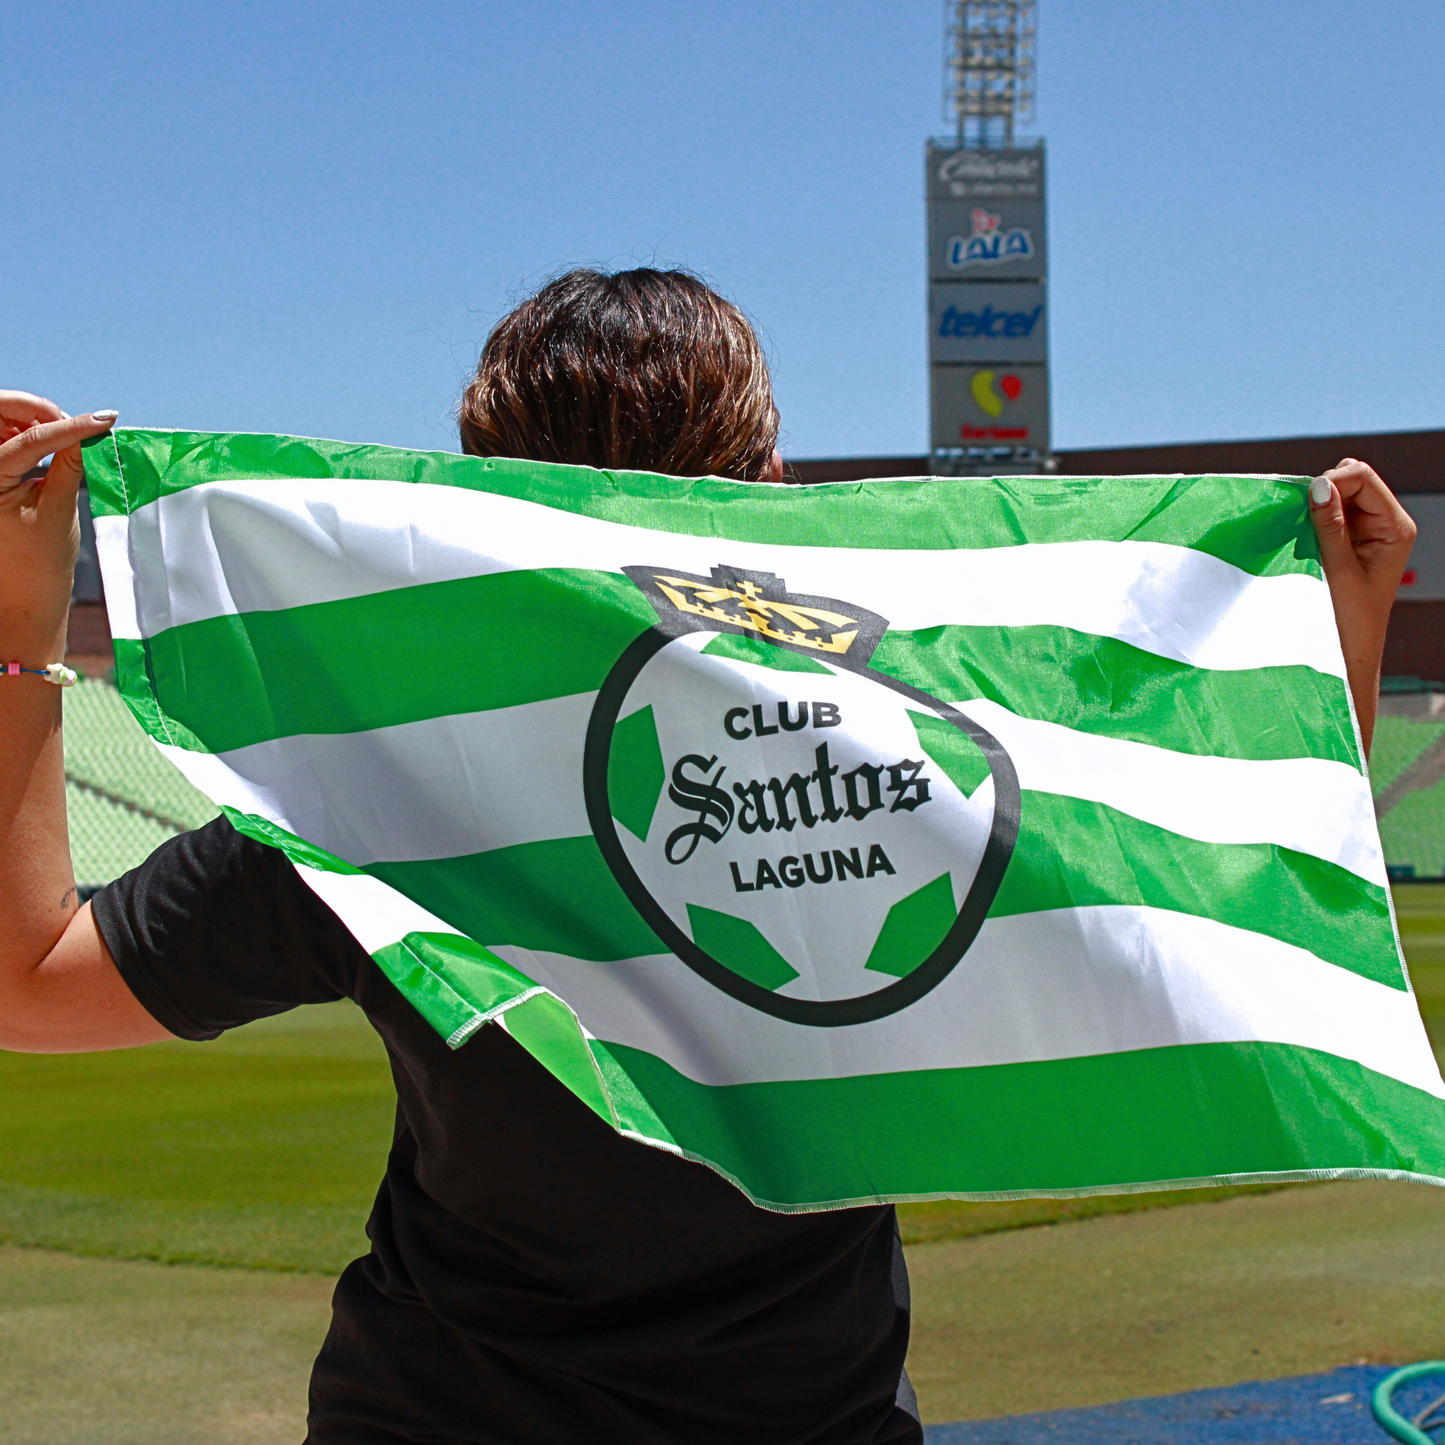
(990, 67)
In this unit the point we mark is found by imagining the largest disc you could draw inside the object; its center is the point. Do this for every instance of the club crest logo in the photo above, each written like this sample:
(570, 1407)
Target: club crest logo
(987, 244)
(813, 836)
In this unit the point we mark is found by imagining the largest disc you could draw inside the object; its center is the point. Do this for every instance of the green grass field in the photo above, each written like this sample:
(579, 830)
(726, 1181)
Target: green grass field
(170, 1219)
(262, 1149)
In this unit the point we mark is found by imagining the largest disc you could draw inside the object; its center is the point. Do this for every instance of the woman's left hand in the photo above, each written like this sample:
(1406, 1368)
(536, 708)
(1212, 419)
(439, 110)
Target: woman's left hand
(1365, 537)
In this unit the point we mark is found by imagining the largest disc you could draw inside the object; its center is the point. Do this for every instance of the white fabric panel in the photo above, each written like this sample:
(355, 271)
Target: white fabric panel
(241, 546)
(461, 784)
(112, 538)
(440, 788)
(1312, 805)
(1063, 984)
(375, 913)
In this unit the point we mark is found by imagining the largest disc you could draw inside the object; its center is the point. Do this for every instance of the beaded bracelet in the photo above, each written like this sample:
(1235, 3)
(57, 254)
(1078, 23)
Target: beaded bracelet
(56, 672)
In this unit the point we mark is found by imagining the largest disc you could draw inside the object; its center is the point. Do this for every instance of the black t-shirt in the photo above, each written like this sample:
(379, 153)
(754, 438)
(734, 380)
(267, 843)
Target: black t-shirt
(533, 1277)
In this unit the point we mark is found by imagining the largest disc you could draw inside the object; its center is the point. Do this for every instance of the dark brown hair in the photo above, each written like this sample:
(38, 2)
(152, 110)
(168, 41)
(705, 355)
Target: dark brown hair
(641, 370)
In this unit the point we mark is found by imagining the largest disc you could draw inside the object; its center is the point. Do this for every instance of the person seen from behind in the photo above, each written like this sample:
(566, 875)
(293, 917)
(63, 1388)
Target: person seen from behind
(533, 1276)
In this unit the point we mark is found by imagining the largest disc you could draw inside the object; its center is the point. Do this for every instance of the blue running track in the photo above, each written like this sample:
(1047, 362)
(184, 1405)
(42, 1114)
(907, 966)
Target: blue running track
(1305, 1410)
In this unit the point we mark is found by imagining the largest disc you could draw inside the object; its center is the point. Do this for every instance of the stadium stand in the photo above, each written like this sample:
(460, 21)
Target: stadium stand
(1398, 742)
(1413, 834)
(1407, 777)
(124, 799)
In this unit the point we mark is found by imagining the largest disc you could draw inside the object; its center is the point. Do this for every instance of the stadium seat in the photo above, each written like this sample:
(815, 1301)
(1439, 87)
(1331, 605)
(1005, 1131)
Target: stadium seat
(123, 798)
(1398, 742)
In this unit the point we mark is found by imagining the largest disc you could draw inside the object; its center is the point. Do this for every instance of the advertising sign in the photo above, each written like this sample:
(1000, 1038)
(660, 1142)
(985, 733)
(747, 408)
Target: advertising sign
(1424, 579)
(990, 406)
(968, 240)
(987, 309)
(987, 321)
(955, 174)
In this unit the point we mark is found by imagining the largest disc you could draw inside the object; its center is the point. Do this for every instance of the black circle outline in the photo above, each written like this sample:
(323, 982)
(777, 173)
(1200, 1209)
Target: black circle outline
(817, 1013)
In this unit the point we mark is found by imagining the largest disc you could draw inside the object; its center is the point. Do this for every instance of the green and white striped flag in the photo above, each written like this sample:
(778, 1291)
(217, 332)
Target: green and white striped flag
(894, 840)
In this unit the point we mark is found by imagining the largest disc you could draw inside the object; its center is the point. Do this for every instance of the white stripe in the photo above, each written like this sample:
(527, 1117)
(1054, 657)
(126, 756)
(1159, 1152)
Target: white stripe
(451, 786)
(241, 546)
(1068, 983)
(1064, 984)
(1311, 805)
(441, 788)
(112, 541)
(375, 914)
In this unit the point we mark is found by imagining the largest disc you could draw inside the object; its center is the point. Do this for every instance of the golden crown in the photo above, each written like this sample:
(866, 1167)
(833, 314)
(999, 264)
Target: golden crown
(758, 603)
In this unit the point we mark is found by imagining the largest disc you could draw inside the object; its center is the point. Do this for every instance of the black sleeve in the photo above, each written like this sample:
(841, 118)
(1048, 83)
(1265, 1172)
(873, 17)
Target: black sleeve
(214, 930)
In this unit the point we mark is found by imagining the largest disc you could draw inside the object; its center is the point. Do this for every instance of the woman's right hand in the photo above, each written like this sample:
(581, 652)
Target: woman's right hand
(39, 532)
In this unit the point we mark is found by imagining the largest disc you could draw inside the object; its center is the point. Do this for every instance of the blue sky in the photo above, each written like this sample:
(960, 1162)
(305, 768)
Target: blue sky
(304, 217)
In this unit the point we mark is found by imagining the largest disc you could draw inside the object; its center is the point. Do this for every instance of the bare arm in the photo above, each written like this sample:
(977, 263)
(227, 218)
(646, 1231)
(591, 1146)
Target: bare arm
(59, 990)
(1365, 537)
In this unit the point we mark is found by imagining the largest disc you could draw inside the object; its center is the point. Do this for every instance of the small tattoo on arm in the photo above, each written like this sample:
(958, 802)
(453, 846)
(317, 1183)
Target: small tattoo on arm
(69, 898)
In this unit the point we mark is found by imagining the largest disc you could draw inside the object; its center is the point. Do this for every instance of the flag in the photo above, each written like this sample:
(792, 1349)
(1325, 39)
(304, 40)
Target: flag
(894, 840)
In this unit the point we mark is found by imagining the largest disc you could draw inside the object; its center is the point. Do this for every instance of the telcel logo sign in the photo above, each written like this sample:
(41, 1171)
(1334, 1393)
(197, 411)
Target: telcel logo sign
(987, 245)
(988, 322)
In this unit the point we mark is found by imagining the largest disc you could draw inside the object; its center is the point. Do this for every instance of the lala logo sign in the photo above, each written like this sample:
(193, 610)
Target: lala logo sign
(987, 245)
(993, 394)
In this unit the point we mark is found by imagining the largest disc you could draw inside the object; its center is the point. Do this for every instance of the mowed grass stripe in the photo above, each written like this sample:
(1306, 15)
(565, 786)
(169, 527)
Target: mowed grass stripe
(218, 1126)
(1102, 685)
(559, 896)
(1217, 515)
(293, 1237)
(263, 1149)
(481, 643)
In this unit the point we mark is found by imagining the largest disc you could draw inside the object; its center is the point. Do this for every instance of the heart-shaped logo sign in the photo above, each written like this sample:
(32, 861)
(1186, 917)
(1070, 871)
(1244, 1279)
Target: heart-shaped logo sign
(1011, 386)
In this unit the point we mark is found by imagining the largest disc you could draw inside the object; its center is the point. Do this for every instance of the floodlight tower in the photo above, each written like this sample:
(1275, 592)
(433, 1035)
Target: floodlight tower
(988, 325)
(991, 69)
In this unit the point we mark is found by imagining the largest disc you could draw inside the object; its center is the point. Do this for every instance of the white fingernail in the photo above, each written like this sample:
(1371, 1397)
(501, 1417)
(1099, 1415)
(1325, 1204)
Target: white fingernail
(1320, 491)
(104, 415)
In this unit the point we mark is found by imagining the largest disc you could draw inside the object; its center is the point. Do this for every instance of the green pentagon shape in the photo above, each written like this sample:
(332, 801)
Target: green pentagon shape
(914, 928)
(961, 758)
(635, 772)
(738, 945)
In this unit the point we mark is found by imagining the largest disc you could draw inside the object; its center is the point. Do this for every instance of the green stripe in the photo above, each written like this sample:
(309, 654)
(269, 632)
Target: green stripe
(1258, 524)
(394, 657)
(1103, 686)
(511, 895)
(560, 897)
(456, 985)
(1077, 854)
(134, 685)
(557, 896)
(549, 1031)
(298, 850)
(1200, 1113)
(519, 637)
(452, 982)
